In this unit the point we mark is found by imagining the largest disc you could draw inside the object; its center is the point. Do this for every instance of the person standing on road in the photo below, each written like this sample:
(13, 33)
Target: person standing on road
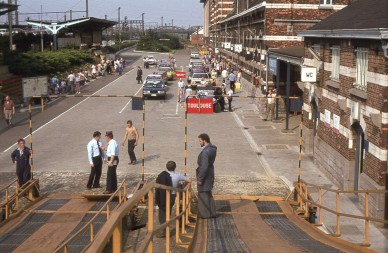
(181, 88)
(232, 81)
(230, 98)
(133, 137)
(205, 177)
(95, 156)
(270, 104)
(9, 110)
(112, 155)
(224, 73)
(21, 156)
(139, 75)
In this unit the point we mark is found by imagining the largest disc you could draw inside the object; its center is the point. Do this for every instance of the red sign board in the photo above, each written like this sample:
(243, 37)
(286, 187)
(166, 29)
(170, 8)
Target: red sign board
(200, 105)
(180, 74)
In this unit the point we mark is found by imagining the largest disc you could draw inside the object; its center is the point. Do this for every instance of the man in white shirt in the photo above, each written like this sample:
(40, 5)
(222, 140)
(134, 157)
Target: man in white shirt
(224, 73)
(230, 98)
(95, 157)
(271, 99)
(181, 87)
(112, 156)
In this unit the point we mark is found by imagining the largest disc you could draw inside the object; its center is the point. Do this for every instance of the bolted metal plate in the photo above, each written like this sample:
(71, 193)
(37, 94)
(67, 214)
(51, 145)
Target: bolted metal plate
(223, 235)
(268, 206)
(251, 117)
(294, 235)
(275, 146)
(264, 127)
(223, 206)
(53, 204)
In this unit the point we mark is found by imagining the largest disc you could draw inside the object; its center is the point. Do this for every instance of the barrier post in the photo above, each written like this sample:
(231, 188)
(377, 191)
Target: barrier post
(337, 209)
(366, 206)
(184, 215)
(116, 238)
(319, 207)
(177, 205)
(150, 225)
(168, 207)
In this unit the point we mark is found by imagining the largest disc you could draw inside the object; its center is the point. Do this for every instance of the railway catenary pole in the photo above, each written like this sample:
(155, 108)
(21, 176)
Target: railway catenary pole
(30, 137)
(142, 140)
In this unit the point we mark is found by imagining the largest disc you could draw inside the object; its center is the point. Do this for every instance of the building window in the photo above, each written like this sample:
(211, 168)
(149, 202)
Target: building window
(362, 68)
(317, 49)
(335, 61)
(325, 2)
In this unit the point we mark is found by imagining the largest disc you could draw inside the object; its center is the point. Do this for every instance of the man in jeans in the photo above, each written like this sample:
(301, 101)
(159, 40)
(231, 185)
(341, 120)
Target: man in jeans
(232, 81)
(9, 110)
(271, 99)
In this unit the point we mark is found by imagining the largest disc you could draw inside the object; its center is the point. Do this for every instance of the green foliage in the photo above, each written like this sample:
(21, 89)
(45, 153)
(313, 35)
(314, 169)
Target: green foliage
(48, 62)
(117, 47)
(151, 41)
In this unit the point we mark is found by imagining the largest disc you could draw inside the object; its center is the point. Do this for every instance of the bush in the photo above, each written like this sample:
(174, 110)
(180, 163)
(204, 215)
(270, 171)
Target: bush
(117, 47)
(153, 42)
(48, 62)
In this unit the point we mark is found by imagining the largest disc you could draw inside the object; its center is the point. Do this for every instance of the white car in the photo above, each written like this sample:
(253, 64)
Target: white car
(197, 77)
(151, 60)
(194, 55)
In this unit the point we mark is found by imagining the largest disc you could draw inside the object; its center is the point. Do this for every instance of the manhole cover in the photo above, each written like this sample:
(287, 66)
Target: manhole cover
(251, 117)
(275, 146)
(264, 127)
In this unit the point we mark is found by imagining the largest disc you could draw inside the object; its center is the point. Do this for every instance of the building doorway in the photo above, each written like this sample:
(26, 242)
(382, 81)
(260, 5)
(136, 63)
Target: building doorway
(359, 153)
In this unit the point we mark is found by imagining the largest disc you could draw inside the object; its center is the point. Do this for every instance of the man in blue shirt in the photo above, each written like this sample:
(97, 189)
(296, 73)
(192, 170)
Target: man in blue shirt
(112, 156)
(21, 156)
(232, 81)
(95, 156)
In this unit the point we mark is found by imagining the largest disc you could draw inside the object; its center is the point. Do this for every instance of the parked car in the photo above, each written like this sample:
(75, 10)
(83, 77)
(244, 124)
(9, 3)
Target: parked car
(154, 77)
(154, 88)
(197, 77)
(170, 72)
(194, 55)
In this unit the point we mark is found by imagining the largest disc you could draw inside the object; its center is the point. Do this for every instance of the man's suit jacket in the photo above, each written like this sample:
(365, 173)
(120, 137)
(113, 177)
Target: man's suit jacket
(205, 170)
(22, 160)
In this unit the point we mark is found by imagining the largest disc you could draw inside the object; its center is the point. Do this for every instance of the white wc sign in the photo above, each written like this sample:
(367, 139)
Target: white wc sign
(308, 74)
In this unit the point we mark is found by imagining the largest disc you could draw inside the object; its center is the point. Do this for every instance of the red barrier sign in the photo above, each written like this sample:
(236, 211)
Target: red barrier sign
(180, 74)
(200, 105)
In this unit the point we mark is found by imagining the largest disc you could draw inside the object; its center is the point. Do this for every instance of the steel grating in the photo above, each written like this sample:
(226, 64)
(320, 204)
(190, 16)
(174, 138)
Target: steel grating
(223, 206)
(53, 204)
(223, 236)
(268, 207)
(11, 240)
(285, 229)
(100, 204)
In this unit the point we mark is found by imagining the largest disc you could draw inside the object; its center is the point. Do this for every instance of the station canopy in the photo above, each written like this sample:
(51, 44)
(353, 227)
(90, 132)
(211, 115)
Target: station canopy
(85, 24)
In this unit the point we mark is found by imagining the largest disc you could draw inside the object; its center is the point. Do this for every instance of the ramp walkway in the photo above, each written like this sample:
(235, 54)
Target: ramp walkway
(262, 225)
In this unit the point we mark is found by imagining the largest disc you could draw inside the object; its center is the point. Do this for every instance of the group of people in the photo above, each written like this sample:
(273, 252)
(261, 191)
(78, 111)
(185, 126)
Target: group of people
(98, 154)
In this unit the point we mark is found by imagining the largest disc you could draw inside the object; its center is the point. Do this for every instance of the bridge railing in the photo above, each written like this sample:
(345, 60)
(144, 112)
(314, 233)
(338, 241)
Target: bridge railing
(112, 230)
(11, 194)
(307, 204)
(120, 193)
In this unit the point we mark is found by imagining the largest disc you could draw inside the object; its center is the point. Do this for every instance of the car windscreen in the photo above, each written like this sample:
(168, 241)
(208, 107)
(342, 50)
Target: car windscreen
(200, 75)
(165, 69)
(154, 84)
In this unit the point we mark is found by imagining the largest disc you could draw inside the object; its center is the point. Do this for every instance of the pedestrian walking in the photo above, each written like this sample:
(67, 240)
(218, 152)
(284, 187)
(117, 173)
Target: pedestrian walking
(205, 177)
(270, 104)
(112, 156)
(21, 157)
(95, 156)
(139, 75)
(132, 136)
(181, 87)
(9, 110)
(232, 81)
(230, 98)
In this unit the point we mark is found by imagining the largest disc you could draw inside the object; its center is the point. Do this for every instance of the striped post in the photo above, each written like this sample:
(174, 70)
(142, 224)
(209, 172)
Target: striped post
(300, 144)
(31, 157)
(142, 140)
(185, 168)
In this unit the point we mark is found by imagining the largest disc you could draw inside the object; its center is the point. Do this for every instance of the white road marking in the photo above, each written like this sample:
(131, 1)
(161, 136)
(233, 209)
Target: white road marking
(129, 101)
(254, 147)
(71, 108)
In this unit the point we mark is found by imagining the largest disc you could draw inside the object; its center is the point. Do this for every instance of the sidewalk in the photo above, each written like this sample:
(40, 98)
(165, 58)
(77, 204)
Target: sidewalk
(279, 152)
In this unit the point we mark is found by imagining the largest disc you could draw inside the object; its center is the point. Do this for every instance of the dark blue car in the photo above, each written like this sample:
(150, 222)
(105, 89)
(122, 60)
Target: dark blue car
(154, 88)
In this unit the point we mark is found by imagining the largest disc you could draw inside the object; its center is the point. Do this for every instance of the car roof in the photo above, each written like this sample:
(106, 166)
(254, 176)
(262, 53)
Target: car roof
(201, 73)
(154, 76)
(154, 82)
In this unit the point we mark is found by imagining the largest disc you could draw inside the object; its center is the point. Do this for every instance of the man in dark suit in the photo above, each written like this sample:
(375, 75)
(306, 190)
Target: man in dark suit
(163, 178)
(21, 156)
(205, 177)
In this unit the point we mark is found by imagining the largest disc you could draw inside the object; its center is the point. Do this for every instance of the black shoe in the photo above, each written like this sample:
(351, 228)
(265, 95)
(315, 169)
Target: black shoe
(265, 120)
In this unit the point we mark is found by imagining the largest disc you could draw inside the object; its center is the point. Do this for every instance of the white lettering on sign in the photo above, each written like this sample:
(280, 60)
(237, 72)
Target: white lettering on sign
(308, 74)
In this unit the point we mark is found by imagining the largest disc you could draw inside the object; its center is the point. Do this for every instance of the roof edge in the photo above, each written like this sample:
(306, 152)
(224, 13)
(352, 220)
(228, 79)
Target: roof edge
(370, 33)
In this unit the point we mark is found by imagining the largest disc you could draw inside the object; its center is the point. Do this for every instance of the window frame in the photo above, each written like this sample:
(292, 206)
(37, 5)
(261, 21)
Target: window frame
(336, 62)
(361, 68)
(325, 2)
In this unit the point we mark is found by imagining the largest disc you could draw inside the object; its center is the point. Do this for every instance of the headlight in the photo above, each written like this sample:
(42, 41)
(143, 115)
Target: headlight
(160, 91)
(146, 91)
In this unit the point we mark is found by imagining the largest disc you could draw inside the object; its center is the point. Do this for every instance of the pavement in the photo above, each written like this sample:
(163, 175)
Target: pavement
(255, 157)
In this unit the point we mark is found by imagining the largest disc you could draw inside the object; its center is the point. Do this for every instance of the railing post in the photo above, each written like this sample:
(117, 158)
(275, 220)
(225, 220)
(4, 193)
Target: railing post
(366, 206)
(17, 195)
(306, 211)
(107, 211)
(116, 238)
(125, 192)
(187, 204)
(300, 195)
(91, 232)
(337, 210)
(319, 207)
(6, 204)
(184, 214)
(150, 225)
(168, 210)
(65, 249)
(177, 206)
(120, 196)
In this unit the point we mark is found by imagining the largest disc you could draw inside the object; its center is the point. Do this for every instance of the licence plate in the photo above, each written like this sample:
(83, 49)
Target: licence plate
(153, 95)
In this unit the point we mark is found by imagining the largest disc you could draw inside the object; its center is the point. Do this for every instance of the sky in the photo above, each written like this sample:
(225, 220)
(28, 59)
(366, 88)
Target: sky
(183, 12)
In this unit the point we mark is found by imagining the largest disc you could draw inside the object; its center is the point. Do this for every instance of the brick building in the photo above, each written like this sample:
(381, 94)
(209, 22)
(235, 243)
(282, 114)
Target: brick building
(252, 27)
(347, 127)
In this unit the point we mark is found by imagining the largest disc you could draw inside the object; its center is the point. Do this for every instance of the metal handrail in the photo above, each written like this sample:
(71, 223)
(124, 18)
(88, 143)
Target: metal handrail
(305, 201)
(112, 229)
(121, 192)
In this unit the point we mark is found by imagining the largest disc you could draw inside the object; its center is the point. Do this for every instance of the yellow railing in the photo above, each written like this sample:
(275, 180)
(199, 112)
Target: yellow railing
(305, 202)
(12, 194)
(112, 230)
(120, 193)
